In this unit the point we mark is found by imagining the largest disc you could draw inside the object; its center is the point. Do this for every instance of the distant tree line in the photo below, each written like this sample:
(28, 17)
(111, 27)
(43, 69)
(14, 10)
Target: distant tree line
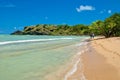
(110, 27)
(47, 29)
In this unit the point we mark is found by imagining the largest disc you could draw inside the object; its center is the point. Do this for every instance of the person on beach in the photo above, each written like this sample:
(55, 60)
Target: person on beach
(92, 35)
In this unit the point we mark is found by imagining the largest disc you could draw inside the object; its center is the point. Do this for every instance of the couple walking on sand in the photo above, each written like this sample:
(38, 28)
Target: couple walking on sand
(92, 35)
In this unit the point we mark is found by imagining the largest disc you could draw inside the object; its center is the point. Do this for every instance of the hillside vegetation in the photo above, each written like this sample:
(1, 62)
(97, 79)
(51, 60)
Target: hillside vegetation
(110, 27)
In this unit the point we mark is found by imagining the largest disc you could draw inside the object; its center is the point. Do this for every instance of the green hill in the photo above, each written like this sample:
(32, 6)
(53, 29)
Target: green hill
(110, 27)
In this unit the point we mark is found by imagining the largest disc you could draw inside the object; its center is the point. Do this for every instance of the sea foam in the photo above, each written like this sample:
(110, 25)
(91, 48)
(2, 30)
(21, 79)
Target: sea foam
(75, 66)
(33, 40)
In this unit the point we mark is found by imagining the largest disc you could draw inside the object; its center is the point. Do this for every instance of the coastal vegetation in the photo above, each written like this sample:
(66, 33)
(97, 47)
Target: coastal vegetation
(110, 27)
(48, 29)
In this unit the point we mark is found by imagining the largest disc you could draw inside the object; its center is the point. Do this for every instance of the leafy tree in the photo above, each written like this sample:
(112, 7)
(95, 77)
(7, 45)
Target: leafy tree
(96, 27)
(112, 25)
(109, 27)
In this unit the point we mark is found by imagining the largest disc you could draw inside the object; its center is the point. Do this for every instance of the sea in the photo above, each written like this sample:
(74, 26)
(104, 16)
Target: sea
(32, 57)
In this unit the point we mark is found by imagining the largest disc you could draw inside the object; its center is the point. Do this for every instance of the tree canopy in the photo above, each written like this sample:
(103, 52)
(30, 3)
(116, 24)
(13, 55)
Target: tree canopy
(110, 27)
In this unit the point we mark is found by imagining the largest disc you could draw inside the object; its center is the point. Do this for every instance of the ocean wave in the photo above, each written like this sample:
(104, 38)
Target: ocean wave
(32, 40)
(78, 61)
(73, 70)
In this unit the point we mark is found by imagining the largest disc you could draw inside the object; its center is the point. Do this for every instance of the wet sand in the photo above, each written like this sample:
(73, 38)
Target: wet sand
(102, 60)
(99, 60)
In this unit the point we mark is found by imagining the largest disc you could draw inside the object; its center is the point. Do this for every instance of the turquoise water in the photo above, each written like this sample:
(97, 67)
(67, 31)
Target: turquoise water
(33, 57)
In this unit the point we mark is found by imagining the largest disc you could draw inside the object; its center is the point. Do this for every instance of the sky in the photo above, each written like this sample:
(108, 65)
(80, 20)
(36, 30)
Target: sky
(16, 14)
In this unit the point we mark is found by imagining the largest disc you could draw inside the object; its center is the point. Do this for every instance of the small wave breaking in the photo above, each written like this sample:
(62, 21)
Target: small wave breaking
(75, 66)
(33, 40)
(72, 71)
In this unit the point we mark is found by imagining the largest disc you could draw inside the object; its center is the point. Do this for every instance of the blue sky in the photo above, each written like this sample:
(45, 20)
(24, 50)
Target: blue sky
(15, 14)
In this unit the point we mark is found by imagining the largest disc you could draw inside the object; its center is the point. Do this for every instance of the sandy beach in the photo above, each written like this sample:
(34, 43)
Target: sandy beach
(102, 60)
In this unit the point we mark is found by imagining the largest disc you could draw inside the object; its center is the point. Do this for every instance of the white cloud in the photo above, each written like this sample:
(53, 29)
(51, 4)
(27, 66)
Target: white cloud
(102, 11)
(15, 28)
(64, 23)
(109, 11)
(8, 5)
(46, 17)
(106, 11)
(85, 8)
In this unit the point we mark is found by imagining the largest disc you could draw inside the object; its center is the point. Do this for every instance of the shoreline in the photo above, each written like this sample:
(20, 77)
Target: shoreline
(94, 61)
(102, 60)
(72, 70)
